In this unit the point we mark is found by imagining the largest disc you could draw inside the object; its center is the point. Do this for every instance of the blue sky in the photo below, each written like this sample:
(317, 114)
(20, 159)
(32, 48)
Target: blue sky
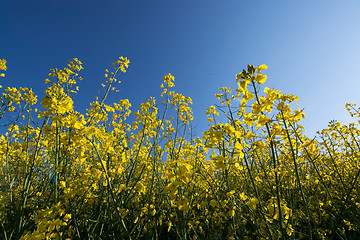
(311, 48)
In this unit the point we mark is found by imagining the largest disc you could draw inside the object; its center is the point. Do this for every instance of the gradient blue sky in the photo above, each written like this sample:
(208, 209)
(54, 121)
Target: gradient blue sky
(312, 48)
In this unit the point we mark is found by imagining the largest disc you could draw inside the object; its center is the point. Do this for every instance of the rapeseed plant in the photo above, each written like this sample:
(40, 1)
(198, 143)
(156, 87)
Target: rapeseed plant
(256, 175)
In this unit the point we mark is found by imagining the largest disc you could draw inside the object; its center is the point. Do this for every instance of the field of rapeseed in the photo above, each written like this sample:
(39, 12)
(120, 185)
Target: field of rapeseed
(67, 175)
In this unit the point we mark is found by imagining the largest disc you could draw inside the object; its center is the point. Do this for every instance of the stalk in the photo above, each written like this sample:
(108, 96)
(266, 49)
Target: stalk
(298, 177)
(272, 148)
(111, 189)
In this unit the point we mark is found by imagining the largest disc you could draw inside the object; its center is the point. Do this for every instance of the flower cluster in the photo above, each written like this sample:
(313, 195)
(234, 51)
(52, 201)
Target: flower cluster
(118, 173)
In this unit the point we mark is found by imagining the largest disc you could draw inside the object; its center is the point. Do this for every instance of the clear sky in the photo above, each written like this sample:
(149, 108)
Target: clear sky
(312, 48)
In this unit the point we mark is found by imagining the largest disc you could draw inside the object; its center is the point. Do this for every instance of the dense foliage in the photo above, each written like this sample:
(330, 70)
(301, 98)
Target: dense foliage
(114, 174)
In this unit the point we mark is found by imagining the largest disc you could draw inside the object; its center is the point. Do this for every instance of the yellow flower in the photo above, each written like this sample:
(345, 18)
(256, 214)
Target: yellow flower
(67, 217)
(252, 203)
(260, 78)
(3, 64)
(262, 67)
(62, 184)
